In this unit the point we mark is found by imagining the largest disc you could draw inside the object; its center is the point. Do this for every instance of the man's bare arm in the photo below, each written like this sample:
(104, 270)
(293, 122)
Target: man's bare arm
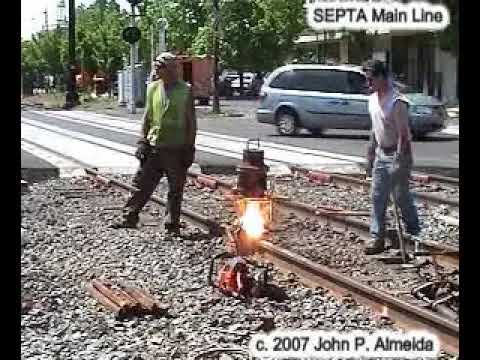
(400, 117)
(191, 120)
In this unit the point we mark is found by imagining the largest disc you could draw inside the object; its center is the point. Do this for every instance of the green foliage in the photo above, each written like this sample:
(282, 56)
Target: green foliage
(31, 65)
(449, 37)
(51, 50)
(185, 19)
(279, 24)
(44, 55)
(100, 46)
(254, 34)
(203, 43)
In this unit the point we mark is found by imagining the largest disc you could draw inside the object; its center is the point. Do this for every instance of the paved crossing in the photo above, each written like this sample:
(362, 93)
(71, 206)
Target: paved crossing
(76, 139)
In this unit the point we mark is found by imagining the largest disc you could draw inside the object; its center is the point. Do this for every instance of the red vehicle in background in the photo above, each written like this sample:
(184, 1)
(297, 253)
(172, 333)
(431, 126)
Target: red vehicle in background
(198, 71)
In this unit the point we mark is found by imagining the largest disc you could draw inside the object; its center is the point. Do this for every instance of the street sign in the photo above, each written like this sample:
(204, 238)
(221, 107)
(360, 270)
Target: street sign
(131, 34)
(134, 2)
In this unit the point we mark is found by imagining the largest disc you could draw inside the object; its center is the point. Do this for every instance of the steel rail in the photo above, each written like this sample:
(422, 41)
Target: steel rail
(197, 219)
(349, 180)
(405, 315)
(444, 254)
(434, 177)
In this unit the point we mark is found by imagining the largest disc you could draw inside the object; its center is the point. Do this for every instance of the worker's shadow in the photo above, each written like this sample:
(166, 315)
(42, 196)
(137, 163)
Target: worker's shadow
(271, 292)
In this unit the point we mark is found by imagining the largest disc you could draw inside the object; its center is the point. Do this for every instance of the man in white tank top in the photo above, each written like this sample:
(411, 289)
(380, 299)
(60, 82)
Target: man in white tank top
(390, 154)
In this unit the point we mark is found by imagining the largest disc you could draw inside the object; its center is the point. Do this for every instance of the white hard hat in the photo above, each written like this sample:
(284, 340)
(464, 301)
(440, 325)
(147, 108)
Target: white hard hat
(165, 57)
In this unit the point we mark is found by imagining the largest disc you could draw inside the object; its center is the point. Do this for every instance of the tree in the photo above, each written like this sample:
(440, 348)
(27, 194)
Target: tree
(49, 53)
(255, 34)
(184, 17)
(449, 37)
(31, 66)
(280, 22)
(100, 45)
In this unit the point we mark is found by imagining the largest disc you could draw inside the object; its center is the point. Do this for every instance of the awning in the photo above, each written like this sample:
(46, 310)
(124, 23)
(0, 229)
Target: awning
(319, 38)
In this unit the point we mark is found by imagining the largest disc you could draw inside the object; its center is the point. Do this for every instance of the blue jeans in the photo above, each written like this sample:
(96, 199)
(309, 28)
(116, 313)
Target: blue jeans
(385, 181)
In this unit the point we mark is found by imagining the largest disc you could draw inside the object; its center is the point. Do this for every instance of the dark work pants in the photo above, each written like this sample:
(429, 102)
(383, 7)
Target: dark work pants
(165, 161)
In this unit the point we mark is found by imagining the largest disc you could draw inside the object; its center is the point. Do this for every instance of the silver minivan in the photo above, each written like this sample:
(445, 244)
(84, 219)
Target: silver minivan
(319, 97)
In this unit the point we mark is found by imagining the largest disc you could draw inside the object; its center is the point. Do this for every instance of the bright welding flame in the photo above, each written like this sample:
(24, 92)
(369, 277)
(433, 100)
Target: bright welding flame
(252, 221)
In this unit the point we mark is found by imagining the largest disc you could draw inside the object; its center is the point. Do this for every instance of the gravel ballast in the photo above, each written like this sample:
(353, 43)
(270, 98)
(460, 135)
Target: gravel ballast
(67, 243)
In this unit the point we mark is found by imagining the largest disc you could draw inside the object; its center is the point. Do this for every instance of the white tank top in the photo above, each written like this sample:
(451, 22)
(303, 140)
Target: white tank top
(383, 124)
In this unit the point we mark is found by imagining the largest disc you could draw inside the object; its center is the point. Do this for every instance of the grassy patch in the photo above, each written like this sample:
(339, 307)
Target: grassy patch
(87, 102)
(57, 101)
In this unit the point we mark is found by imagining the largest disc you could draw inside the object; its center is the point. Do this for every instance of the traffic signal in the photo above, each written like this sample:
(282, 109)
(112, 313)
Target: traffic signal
(131, 34)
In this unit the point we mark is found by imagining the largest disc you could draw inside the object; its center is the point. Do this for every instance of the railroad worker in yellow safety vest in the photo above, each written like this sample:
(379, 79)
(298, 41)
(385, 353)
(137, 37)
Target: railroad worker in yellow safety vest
(389, 154)
(167, 145)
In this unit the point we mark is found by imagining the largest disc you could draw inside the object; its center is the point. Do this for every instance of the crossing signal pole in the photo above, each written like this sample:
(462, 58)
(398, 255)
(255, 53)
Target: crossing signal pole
(132, 104)
(132, 35)
(71, 97)
(216, 100)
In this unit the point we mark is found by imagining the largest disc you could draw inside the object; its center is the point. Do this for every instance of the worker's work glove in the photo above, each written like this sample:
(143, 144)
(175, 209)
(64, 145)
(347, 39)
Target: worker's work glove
(399, 161)
(143, 150)
(189, 155)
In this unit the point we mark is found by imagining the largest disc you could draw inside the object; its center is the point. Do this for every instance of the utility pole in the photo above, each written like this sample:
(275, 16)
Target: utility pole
(132, 109)
(162, 30)
(152, 44)
(71, 97)
(45, 26)
(216, 101)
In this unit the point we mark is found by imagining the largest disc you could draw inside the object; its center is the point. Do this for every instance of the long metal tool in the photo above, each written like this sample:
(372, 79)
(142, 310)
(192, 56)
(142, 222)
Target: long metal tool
(399, 227)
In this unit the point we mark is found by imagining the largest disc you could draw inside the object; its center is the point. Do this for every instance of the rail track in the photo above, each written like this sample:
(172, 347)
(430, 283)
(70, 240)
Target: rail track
(419, 179)
(344, 220)
(405, 314)
(415, 177)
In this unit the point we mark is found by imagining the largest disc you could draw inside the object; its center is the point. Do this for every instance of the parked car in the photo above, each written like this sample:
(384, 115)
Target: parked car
(225, 83)
(319, 97)
(247, 80)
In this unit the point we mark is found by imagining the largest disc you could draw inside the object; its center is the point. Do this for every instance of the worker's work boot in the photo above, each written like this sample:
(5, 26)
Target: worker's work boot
(172, 228)
(174, 204)
(129, 221)
(374, 246)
